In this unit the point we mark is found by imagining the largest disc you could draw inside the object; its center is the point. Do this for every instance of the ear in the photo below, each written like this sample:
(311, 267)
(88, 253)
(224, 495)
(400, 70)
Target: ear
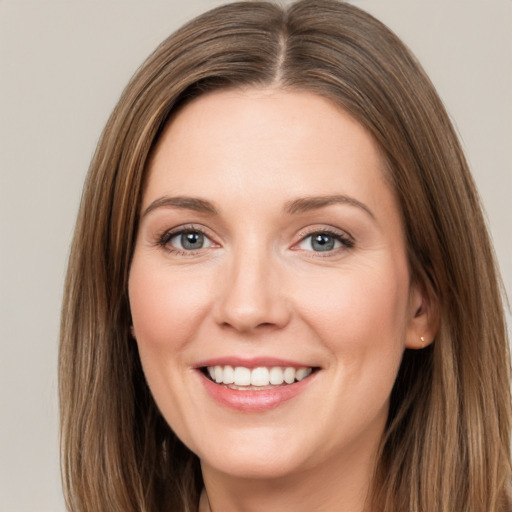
(423, 318)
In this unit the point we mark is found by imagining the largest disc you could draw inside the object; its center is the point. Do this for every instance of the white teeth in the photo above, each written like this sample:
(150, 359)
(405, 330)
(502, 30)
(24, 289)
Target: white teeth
(289, 375)
(258, 377)
(218, 374)
(242, 376)
(229, 375)
(276, 376)
(302, 373)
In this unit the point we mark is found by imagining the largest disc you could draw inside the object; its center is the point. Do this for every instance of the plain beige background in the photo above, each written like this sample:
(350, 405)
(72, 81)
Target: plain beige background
(63, 66)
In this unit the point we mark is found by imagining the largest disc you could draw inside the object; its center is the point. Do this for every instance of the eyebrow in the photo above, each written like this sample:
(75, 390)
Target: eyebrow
(300, 205)
(186, 203)
(305, 204)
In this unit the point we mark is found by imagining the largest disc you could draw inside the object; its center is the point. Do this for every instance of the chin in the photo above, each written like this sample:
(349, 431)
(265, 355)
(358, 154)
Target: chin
(250, 457)
(250, 467)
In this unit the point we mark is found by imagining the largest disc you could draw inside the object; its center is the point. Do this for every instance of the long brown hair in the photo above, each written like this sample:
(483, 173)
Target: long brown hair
(446, 445)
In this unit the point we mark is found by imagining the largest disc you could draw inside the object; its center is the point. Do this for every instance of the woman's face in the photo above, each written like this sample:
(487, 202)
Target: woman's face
(270, 239)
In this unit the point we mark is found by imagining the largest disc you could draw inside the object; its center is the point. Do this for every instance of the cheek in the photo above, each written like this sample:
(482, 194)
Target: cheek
(358, 308)
(167, 308)
(360, 317)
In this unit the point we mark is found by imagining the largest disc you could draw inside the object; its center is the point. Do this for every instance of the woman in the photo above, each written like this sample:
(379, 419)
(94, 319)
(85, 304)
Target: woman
(281, 291)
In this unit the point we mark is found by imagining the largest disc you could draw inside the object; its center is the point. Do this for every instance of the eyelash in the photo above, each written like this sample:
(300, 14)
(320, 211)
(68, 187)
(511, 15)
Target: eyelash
(345, 240)
(167, 236)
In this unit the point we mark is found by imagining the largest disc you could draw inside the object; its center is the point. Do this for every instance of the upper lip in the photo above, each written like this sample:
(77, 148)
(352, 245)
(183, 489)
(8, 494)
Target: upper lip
(253, 362)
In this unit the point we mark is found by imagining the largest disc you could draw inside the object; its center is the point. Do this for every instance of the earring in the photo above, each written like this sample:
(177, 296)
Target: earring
(422, 341)
(132, 332)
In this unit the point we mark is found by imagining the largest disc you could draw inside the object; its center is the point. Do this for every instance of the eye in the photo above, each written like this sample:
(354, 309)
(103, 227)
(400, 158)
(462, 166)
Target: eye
(186, 240)
(324, 241)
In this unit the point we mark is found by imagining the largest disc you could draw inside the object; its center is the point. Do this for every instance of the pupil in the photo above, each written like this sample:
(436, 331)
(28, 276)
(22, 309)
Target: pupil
(322, 243)
(192, 240)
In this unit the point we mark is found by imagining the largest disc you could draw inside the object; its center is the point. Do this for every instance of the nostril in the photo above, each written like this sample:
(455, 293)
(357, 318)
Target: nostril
(240, 326)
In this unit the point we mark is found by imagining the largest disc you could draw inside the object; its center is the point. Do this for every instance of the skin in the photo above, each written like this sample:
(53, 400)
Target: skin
(257, 288)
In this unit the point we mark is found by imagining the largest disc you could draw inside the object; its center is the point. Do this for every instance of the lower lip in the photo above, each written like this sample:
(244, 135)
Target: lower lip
(254, 401)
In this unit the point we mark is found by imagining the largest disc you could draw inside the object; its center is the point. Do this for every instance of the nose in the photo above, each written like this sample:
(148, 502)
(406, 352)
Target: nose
(251, 295)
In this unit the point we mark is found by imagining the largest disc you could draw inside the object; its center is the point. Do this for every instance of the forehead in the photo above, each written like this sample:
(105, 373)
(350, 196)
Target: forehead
(256, 141)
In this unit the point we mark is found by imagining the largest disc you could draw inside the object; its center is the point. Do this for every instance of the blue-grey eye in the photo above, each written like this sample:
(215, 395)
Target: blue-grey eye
(190, 241)
(320, 242)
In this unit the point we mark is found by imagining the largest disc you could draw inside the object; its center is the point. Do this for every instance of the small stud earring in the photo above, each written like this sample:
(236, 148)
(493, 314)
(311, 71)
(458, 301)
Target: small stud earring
(422, 340)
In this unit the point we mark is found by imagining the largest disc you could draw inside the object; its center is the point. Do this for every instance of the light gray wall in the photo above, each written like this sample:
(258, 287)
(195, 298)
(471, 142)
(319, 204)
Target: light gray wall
(63, 65)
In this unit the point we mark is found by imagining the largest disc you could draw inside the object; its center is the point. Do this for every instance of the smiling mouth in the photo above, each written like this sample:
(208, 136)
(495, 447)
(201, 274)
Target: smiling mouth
(256, 379)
